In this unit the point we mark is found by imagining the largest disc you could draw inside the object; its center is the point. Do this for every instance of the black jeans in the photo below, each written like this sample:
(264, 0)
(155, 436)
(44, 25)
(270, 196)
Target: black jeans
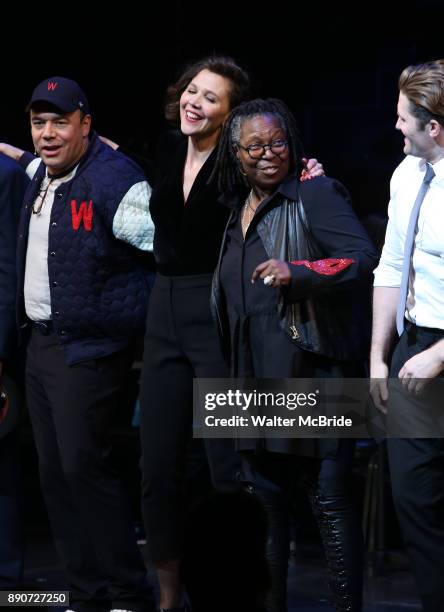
(69, 408)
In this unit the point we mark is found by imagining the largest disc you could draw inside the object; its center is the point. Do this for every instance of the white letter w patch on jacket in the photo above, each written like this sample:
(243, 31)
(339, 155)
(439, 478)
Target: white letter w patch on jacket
(84, 213)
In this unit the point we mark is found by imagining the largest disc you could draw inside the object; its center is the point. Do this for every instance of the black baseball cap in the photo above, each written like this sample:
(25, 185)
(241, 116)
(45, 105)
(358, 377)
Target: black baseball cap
(64, 94)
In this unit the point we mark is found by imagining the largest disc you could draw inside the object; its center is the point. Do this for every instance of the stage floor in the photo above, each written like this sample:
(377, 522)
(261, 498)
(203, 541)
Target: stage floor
(394, 591)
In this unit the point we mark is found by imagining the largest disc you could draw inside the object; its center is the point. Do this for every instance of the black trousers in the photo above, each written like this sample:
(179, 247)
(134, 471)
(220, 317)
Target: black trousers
(180, 344)
(11, 513)
(417, 473)
(69, 408)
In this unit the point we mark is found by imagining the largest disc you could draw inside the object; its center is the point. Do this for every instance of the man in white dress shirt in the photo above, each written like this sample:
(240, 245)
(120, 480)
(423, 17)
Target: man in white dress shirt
(414, 252)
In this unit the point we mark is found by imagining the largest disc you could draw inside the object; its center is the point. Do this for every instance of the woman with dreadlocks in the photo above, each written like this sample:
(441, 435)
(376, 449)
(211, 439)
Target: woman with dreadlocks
(293, 258)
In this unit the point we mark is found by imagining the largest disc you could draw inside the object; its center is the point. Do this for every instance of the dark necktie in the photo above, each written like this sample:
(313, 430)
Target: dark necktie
(408, 248)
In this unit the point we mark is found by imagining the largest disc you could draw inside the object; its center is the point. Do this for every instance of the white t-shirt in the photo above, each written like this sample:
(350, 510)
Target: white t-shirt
(37, 295)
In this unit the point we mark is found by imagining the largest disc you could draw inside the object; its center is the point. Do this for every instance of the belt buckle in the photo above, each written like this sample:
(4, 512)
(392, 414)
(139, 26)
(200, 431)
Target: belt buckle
(43, 327)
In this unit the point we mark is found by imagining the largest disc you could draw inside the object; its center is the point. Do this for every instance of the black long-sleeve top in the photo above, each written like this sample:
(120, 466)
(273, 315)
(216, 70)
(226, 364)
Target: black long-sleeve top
(188, 234)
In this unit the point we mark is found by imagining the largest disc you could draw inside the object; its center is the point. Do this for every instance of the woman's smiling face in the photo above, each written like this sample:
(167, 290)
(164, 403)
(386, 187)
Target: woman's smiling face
(269, 170)
(205, 104)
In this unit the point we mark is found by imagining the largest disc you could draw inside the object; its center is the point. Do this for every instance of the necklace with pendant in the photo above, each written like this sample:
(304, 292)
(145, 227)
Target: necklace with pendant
(247, 211)
(41, 197)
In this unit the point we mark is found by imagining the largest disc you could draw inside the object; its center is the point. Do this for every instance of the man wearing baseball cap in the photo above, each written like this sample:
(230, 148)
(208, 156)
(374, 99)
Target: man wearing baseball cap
(83, 294)
(64, 94)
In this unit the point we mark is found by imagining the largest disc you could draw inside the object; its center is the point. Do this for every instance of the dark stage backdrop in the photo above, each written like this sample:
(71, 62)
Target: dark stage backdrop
(335, 65)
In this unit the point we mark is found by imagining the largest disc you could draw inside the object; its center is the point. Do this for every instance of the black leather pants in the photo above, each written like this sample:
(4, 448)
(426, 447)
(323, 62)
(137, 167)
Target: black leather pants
(343, 546)
(272, 477)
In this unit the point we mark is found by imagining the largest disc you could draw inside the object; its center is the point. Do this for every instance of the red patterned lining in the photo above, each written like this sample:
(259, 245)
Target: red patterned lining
(327, 267)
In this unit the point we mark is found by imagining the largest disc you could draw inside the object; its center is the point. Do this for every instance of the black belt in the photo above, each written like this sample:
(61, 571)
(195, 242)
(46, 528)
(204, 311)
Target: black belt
(43, 327)
(412, 328)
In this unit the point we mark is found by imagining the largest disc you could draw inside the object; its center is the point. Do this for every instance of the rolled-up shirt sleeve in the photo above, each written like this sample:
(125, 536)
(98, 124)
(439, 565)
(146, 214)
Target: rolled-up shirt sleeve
(389, 270)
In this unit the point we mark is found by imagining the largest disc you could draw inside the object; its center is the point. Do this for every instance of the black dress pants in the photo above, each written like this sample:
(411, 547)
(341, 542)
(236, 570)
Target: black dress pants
(180, 344)
(11, 513)
(69, 408)
(417, 473)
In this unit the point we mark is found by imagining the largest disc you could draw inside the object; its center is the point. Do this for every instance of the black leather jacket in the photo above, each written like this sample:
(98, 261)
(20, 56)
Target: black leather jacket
(328, 314)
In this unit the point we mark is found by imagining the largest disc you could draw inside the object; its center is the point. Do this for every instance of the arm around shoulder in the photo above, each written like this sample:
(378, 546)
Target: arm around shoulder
(14, 153)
